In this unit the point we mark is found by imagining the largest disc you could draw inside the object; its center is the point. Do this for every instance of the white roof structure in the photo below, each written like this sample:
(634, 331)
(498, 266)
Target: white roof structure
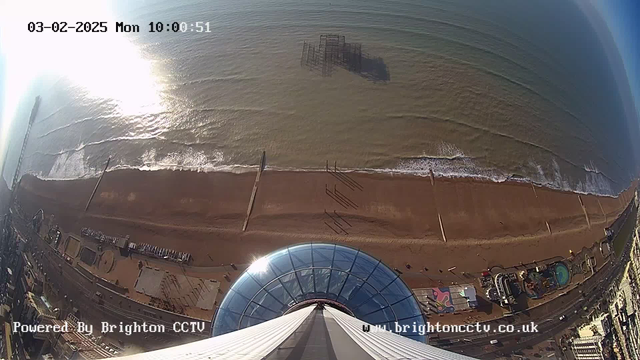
(313, 332)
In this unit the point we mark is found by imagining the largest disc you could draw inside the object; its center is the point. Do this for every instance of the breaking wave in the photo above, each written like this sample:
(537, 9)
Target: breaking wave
(453, 163)
(450, 162)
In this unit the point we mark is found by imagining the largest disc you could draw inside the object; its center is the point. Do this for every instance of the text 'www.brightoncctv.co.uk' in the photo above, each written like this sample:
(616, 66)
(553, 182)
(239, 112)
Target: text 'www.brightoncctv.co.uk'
(430, 328)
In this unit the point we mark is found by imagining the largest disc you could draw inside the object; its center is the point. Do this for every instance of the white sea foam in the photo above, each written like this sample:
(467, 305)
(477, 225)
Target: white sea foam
(450, 150)
(591, 168)
(450, 162)
(71, 166)
(184, 160)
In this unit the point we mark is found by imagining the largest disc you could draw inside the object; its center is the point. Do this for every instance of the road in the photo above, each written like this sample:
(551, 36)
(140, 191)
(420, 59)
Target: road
(549, 322)
(115, 308)
(547, 316)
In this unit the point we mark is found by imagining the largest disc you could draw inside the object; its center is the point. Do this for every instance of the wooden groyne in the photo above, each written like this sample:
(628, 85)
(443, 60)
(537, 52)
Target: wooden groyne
(254, 191)
(584, 209)
(435, 202)
(444, 237)
(546, 222)
(97, 184)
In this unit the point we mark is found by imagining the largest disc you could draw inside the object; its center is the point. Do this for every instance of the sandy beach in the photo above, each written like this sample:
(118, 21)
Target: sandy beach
(394, 217)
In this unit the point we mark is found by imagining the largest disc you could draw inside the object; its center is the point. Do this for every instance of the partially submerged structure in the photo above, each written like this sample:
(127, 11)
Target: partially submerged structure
(332, 51)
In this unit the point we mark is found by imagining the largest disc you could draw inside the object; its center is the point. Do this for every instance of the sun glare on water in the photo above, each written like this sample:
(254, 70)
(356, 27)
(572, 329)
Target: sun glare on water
(106, 65)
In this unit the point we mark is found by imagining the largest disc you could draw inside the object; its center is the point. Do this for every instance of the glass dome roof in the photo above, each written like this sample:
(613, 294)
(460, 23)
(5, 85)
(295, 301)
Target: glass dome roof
(290, 277)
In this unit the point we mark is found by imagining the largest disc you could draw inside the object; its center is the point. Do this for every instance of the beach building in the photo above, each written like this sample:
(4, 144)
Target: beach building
(449, 299)
(543, 280)
(504, 284)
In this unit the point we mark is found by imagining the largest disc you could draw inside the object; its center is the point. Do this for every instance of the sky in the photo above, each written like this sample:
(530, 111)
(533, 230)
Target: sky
(622, 17)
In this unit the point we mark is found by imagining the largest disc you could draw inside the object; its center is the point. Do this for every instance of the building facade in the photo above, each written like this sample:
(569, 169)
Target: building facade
(588, 348)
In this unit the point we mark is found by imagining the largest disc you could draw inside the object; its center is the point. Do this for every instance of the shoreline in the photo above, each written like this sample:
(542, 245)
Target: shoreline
(241, 169)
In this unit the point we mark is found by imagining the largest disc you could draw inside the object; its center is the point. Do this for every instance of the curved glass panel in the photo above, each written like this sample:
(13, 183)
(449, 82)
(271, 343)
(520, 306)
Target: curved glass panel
(272, 285)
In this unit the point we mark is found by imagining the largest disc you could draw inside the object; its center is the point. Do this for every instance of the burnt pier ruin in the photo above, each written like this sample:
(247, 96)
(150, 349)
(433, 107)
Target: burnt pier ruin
(333, 52)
